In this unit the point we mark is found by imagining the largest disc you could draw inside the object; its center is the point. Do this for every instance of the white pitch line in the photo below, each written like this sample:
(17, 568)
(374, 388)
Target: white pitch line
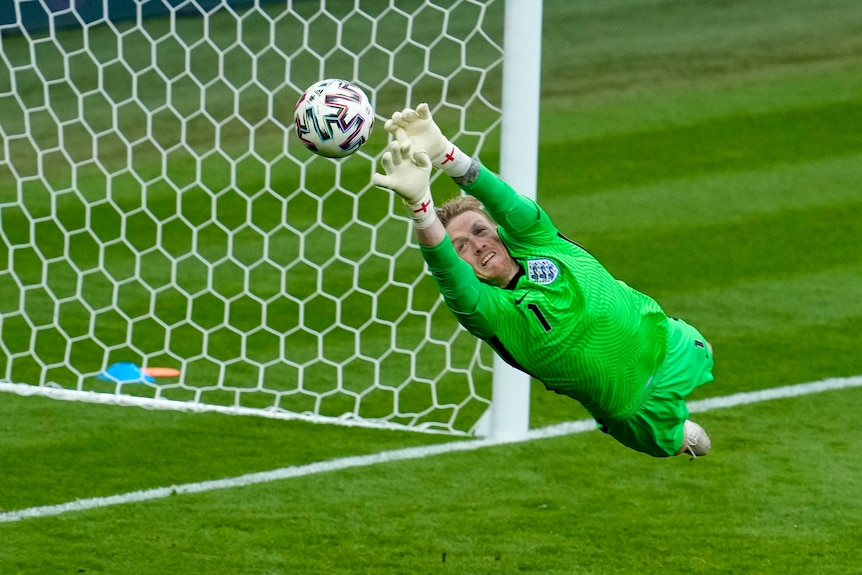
(562, 429)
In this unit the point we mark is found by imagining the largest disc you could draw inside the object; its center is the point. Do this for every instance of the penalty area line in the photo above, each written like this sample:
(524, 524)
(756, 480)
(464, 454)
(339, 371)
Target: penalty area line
(558, 430)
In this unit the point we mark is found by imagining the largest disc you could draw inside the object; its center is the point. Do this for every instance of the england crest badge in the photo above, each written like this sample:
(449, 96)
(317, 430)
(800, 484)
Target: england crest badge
(542, 271)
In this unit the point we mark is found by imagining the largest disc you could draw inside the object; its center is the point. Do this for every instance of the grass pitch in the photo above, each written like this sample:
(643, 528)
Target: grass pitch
(709, 153)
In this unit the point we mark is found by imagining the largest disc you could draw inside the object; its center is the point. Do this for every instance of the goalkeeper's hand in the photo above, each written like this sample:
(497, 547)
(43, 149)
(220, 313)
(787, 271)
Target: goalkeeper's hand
(419, 127)
(408, 174)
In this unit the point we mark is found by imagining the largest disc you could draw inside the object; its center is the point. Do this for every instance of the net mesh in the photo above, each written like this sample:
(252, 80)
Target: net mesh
(156, 208)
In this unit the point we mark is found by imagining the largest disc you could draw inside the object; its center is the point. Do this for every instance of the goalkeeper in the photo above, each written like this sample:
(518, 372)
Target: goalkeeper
(542, 302)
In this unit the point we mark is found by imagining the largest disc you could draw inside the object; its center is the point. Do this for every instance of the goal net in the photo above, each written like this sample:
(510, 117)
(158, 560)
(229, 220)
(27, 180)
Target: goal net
(156, 209)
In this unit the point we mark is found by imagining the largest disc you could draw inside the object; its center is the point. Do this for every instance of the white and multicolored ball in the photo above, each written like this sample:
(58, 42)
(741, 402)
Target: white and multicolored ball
(333, 118)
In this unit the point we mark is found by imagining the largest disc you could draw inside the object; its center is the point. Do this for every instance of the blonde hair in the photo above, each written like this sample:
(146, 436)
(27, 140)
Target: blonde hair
(457, 206)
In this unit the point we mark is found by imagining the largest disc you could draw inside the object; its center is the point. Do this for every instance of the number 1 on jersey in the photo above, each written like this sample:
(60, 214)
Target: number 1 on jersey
(539, 315)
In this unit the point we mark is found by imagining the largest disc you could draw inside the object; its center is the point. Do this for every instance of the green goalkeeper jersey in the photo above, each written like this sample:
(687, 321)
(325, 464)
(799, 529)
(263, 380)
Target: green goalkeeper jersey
(563, 319)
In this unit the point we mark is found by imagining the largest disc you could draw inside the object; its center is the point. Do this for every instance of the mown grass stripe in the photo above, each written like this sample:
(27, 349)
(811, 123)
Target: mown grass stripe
(765, 247)
(558, 430)
(712, 199)
(737, 143)
(822, 298)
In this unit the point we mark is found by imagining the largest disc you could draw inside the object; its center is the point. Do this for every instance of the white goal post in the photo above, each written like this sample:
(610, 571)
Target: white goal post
(156, 209)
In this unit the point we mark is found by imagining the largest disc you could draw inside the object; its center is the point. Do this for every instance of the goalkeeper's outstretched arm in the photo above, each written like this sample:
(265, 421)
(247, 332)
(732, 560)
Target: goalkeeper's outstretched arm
(417, 129)
(408, 175)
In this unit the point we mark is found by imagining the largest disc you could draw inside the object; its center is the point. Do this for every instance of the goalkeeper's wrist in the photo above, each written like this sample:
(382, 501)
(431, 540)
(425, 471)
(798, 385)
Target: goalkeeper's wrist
(454, 162)
(421, 211)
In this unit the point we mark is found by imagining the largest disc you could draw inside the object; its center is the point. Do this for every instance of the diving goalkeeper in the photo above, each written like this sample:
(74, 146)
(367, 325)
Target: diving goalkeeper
(542, 302)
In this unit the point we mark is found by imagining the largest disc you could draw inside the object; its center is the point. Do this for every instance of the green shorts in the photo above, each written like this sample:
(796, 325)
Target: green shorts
(656, 428)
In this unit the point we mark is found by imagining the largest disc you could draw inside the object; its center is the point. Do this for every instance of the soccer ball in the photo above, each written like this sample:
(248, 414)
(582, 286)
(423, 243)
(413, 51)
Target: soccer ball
(333, 118)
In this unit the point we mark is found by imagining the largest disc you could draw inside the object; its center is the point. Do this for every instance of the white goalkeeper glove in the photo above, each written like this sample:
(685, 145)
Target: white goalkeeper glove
(418, 125)
(408, 174)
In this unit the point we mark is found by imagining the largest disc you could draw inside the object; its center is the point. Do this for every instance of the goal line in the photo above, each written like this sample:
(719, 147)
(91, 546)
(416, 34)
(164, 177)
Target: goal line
(348, 419)
(558, 430)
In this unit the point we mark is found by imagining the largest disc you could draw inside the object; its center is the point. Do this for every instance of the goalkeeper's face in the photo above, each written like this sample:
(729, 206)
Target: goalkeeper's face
(477, 242)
